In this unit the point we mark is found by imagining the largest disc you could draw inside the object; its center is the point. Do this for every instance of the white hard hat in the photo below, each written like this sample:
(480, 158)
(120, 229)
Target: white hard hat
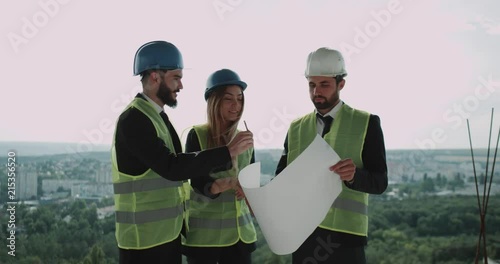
(325, 62)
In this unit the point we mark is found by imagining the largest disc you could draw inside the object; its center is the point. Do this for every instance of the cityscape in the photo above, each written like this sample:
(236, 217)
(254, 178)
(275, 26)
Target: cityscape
(57, 192)
(48, 178)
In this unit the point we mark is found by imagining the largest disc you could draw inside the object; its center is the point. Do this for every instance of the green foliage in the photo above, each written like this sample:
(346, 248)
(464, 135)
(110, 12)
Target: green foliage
(108, 201)
(62, 233)
(457, 182)
(427, 185)
(430, 230)
(95, 256)
(424, 229)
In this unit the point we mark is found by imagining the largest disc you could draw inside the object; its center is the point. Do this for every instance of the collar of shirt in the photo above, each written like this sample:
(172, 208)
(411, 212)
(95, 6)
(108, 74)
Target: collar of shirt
(332, 113)
(158, 108)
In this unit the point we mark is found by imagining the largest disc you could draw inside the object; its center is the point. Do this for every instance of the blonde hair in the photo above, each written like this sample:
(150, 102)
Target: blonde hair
(217, 135)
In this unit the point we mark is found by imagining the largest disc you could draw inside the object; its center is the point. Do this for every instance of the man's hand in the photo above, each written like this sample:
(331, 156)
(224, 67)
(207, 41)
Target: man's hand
(345, 169)
(240, 143)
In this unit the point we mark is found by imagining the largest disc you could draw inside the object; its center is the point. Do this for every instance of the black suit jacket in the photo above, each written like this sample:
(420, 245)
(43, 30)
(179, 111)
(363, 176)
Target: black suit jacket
(138, 148)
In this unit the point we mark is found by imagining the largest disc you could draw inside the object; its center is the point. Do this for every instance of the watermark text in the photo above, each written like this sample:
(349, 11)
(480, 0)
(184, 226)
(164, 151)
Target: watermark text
(11, 205)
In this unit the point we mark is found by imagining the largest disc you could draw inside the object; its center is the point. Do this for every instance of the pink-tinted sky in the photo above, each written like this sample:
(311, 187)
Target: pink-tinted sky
(423, 66)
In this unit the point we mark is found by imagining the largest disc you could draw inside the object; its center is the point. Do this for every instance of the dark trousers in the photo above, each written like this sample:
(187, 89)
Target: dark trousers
(234, 254)
(166, 253)
(319, 247)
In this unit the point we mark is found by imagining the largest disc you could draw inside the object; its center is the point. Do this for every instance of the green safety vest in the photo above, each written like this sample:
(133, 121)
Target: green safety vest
(149, 208)
(349, 212)
(222, 221)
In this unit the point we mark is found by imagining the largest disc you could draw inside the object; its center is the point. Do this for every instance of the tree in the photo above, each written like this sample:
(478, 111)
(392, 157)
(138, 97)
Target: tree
(440, 180)
(40, 221)
(95, 256)
(404, 178)
(456, 183)
(427, 185)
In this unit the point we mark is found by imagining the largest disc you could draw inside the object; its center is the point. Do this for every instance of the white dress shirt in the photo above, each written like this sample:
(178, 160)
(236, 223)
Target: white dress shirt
(158, 108)
(332, 113)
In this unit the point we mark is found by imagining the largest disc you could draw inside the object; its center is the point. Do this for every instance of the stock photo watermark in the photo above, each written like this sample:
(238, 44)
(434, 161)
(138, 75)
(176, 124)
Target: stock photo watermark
(11, 204)
(322, 251)
(222, 7)
(279, 122)
(32, 25)
(363, 36)
(460, 111)
(105, 126)
(454, 117)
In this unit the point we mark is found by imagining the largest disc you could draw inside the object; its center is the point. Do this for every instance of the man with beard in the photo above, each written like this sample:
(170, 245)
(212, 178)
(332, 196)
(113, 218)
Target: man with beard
(356, 136)
(148, 167)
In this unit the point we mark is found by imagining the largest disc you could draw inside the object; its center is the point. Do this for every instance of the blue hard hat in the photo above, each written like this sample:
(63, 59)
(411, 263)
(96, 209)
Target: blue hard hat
(159, 55)
(223, 78)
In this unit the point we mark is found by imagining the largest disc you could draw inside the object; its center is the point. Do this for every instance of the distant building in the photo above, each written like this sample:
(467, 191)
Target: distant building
(26, 183)
(50, 186)
(103, 174)
(91, 190)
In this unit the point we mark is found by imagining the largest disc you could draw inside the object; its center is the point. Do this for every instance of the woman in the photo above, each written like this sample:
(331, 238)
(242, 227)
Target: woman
(220, 228)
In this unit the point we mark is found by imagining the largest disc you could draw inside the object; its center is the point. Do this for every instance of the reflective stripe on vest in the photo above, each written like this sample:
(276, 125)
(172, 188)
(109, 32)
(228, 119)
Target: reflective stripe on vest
(148, 216)
(350, 205)
(222, 221)
(143, 186)
(349, 212)
(225, 197)
(219, 223)
(149, 208)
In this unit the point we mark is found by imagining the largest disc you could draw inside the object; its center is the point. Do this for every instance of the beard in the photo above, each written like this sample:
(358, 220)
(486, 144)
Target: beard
(166, 95)
(328, 102)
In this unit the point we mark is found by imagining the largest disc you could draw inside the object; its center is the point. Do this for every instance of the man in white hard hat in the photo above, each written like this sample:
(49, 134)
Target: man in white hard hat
(356, 136)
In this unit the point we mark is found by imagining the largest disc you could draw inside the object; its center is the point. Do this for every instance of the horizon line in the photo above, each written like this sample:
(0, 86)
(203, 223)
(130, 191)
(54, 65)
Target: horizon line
(276, 148)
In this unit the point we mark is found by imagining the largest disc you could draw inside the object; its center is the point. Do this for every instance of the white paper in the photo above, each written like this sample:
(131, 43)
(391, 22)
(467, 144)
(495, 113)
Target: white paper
(296, 201)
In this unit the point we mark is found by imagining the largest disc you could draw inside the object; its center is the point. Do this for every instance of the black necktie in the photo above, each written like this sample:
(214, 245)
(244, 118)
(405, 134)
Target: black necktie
(327, 122)
(173, 133)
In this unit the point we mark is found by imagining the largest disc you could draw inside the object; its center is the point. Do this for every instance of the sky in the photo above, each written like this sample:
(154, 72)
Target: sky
(424, 67)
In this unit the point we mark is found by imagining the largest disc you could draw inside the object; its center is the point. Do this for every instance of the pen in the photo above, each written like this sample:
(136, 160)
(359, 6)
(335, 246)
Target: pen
(245, 124)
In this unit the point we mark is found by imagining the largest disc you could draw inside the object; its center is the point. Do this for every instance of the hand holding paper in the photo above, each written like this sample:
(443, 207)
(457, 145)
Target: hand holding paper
(345, 169)
(239, 192)
(297, 200)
